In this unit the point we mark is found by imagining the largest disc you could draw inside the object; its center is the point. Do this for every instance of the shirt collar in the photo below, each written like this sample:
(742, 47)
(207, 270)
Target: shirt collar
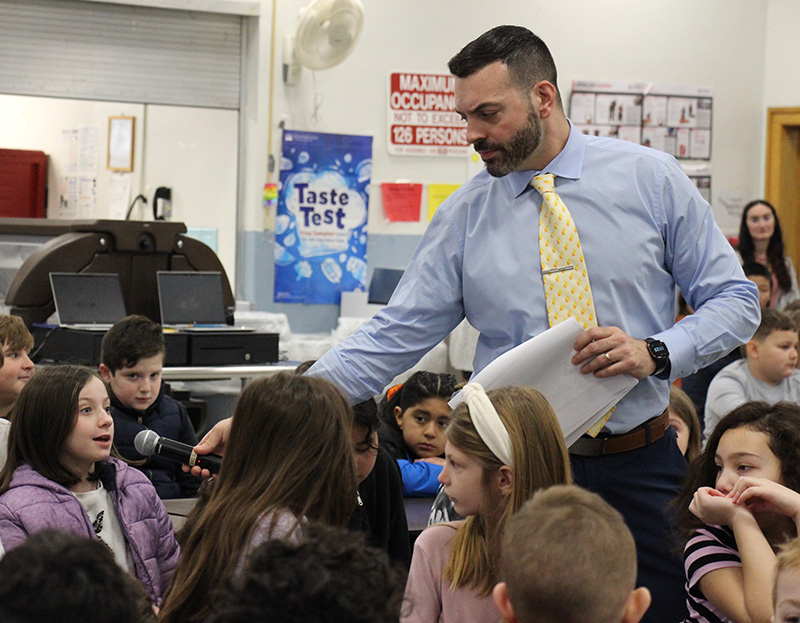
(567, 163)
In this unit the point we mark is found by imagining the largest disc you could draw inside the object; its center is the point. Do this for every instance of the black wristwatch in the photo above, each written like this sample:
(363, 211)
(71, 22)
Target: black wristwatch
(660, 354)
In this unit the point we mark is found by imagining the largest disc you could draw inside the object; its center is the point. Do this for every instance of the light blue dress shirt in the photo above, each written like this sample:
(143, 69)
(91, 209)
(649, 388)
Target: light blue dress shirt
(644, 229)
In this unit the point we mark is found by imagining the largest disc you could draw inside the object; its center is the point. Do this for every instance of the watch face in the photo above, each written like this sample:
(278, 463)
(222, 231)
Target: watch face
(658, 349)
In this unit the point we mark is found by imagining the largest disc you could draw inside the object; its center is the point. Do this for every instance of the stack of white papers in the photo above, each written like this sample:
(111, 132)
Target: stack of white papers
(543, 362)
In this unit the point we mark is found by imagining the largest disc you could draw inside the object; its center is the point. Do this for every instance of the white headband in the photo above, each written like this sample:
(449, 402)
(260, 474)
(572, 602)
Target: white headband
(488, 424)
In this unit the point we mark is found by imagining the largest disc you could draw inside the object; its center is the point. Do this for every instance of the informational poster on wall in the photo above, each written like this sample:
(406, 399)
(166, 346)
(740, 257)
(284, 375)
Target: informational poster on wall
(422, 117)
(703, 183)
(77, 182)
(321, 222)
(673, 118)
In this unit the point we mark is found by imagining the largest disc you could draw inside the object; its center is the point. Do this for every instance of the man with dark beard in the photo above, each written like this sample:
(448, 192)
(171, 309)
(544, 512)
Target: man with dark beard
(644, 230)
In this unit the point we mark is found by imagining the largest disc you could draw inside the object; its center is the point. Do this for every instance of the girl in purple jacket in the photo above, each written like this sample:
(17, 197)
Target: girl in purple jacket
(60, 475)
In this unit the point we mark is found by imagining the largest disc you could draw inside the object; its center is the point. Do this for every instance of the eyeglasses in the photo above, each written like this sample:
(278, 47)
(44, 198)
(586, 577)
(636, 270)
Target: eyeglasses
(369, 449)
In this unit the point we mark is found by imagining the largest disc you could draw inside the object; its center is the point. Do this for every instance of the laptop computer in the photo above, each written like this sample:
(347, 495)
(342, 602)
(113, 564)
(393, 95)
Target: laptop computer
(192, 301)
(382, 284)
(87, 300)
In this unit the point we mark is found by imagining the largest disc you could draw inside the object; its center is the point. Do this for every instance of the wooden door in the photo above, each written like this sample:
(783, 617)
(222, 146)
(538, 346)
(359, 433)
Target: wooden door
(782, 187)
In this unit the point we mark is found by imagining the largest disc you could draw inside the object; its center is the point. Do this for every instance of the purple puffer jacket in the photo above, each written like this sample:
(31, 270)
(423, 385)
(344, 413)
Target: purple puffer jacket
(33, 503)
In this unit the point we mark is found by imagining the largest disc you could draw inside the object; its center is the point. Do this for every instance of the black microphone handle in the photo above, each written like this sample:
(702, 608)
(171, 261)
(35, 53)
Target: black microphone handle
(184, 453)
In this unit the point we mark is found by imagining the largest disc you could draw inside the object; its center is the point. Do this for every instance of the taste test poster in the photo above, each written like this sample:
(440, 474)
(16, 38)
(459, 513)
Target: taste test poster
(321, 222)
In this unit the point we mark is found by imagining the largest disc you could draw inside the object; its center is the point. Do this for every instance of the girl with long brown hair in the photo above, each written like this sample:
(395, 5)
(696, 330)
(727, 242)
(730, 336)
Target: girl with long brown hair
(288, 462)
(502, 446)
(761, 240)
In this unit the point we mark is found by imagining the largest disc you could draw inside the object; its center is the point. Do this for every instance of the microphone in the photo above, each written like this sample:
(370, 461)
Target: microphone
(148, 442)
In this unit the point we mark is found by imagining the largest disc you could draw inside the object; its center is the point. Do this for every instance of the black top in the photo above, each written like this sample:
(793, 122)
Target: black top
(382, 512)
(168, 418)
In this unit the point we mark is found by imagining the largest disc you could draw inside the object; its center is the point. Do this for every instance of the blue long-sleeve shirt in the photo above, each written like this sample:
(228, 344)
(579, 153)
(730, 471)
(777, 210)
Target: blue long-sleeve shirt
(644, 230)
(420, 478)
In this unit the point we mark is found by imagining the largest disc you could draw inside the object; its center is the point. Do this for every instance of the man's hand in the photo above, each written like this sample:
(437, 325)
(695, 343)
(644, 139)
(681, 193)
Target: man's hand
(608, 351)
(212, 443)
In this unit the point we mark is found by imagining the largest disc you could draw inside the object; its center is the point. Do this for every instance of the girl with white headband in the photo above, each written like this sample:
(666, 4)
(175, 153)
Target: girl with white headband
(502, 446)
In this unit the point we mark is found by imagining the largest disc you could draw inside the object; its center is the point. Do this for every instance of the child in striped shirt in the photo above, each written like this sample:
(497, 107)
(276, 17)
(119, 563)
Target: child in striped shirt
(739, 503)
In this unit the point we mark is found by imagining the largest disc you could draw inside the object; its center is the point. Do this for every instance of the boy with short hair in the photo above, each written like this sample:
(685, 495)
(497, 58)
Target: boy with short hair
(786, 592)
(760, 275)
(766, 373)
(569, 557)
(16, 343)
(132, 357)
(696, 385)
(16, 368)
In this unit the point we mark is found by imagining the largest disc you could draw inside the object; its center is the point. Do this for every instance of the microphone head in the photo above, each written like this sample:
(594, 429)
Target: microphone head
(145, 442)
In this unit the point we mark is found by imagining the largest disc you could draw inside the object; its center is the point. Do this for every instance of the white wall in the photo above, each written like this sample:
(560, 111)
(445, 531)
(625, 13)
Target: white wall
(194, 151)
(37, 122)
(781, 79)
(714, 42)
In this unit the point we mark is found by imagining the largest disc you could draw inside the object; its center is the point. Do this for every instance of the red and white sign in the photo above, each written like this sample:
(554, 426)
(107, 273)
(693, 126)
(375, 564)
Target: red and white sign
(422, 117)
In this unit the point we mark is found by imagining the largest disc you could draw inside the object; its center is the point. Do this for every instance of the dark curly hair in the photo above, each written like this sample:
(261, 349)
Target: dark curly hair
(55, 576)
(331, 575)
(779, 422)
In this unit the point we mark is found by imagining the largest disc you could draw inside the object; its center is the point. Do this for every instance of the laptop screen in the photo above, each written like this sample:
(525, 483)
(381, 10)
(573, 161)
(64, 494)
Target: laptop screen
(87, 298)
(189, 298)
(382, 284)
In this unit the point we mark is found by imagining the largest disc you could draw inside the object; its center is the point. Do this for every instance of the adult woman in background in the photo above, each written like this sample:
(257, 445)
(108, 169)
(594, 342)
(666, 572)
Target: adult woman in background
(760, 240)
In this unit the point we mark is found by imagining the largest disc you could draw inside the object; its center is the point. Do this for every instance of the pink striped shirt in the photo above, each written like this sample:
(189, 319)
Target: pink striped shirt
(710, 548)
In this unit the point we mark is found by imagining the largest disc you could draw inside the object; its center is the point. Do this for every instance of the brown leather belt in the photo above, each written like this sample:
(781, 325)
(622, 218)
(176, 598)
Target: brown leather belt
(639, 437)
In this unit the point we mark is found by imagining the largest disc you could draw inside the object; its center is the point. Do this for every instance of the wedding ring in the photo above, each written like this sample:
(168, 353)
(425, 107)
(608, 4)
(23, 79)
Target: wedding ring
(608, 359)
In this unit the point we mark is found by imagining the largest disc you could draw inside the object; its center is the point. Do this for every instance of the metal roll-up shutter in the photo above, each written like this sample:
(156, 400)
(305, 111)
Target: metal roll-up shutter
(98, 51)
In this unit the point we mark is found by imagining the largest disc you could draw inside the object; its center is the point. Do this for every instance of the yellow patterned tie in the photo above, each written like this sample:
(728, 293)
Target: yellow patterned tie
(566, 283)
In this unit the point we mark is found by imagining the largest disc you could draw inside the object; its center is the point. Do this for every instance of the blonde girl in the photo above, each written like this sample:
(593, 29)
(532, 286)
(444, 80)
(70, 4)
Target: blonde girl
(502, 446)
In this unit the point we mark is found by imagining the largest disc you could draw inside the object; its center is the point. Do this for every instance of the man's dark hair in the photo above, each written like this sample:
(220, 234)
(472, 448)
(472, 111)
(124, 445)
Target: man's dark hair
(131, 339)
(330, 575)
(61, 577)
(526, 56)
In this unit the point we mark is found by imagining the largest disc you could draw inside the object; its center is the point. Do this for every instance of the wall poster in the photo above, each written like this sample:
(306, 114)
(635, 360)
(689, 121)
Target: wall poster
(669, 117)
(321, 222)
(422, 117)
